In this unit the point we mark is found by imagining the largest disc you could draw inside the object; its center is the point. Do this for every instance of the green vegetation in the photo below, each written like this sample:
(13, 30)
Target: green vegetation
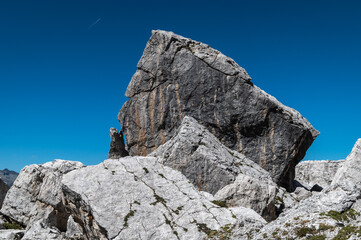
(324, 227)
(126, 218)
(317, 237)
(303, 231)
(224, 233)
(342, 216)
(161, 175)
(279, 201)
(220, 203)
(12, 226)
(158, 199)
(345, 232)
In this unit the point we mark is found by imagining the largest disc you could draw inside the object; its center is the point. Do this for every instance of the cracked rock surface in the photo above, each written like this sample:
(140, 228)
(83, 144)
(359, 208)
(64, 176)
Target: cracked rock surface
(214, 168)
(147, 200)
(179, 77)
(333, 213)
(36, 193)
(320, 172)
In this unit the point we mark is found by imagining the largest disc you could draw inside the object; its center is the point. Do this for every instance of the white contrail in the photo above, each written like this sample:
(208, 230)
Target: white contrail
(94, 23)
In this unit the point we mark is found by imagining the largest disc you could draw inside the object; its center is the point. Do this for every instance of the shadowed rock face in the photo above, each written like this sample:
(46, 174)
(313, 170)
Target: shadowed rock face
(177, 76)
(117, 146)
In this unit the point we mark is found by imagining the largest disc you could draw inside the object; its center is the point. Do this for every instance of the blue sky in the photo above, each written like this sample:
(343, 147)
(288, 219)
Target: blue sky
(65, 66)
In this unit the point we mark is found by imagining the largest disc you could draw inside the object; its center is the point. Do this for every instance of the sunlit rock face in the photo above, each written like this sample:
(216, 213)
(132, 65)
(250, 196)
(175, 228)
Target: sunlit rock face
(179, 77)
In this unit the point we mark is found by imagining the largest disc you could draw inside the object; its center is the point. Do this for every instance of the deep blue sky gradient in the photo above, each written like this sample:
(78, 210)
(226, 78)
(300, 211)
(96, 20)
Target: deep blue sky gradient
(63, 78)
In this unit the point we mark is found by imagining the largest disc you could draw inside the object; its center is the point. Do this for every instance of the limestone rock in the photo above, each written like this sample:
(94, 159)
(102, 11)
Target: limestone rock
(329, 213)
(73, 230)
(317, 172)
(40, 231)
(214, 168)
(252, 193)
(8, 176)
(139, 198)
(36, 194)
(179, 77)
(11, 234)
(4, 188)
(117, 146)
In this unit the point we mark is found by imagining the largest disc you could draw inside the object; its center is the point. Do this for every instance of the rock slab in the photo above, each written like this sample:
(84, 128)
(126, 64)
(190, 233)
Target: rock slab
(179, 77)
(214, 168)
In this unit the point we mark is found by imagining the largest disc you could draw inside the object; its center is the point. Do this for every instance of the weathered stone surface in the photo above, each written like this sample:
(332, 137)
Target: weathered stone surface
(139, 198)
(117, 146)
(8, 176)
(73, 230)
(214, 168)
(4, 188)
(310, 173)
(40, 231)
(179, 77)
(36, 194)
(329, 213)
(11, 234)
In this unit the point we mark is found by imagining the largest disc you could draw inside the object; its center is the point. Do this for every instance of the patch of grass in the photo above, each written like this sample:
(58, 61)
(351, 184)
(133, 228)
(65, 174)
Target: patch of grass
(303, 231)
(324, 227)
(345, 232)
(158, 199)
(12, 226)
(220, 203)
(279, 201)
(126, 218)
(317, 237)
(145, 170)
(136, 202)
(202, 227)
(342, 216)
(287, 224)
(161, 175)
(264, 235)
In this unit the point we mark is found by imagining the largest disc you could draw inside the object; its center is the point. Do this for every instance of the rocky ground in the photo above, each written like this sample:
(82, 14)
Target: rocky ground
(221, 163)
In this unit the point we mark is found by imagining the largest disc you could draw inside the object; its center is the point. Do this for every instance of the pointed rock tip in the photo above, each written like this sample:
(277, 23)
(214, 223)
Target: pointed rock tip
(357, 146)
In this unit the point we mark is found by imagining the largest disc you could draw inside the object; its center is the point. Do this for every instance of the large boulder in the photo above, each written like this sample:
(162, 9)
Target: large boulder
(139, 198)
(37, 195)
(214, 168)
(177, 76)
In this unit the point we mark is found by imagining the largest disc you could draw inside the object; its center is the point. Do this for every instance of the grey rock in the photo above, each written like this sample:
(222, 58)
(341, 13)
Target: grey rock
(4, 188)
(214, 168)
(11, 234)
(40, 231)
(310, 173)
(251, 192)
(117, 145)
(321, 210)
(36, 194)
(74, 230)
(8, 176)
(179, 77)
(139, 198)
